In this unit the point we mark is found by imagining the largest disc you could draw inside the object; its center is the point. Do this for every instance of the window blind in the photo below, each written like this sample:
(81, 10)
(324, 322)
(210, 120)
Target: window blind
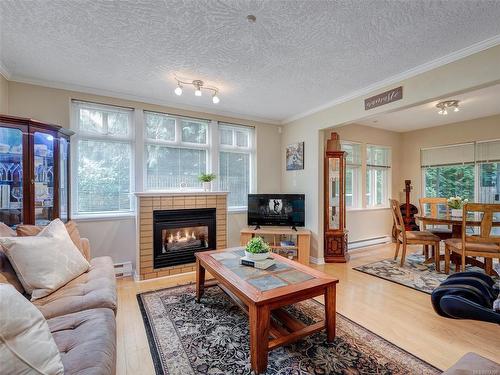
(378, 156)
(487, 152)
(353, 153)
(447, 155)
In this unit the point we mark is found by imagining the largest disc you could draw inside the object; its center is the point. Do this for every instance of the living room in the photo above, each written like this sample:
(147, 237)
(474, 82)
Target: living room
(137, 121)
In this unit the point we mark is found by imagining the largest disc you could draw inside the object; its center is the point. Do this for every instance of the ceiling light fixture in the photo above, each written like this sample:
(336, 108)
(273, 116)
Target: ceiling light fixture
(443, 106)
(178, 89)
(198, 85)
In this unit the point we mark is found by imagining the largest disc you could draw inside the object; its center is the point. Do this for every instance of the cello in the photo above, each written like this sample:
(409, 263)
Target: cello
(408, 211)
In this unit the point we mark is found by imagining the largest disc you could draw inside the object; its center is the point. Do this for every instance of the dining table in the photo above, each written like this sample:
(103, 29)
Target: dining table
(443, 218)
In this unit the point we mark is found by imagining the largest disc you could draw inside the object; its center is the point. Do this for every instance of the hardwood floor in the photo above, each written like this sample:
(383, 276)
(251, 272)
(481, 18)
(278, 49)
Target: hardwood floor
(399, 314)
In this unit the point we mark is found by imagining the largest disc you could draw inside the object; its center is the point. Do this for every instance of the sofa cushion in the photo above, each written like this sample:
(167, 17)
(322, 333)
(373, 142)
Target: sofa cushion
(45, 262)
(26, 344)
(86, 341)
(473, 363)
(93, 289)
(26, 230)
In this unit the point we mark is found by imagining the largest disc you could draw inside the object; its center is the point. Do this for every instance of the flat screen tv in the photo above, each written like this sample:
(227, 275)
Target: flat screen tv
(276, 209)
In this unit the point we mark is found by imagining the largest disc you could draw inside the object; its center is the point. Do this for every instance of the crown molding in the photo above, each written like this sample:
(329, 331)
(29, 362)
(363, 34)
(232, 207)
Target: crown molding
(5, 72)
(137, 98)
(433, 64)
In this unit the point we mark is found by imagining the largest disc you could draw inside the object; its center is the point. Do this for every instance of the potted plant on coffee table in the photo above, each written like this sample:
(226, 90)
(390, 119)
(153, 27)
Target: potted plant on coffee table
(206, 179)
(257, 249)
(456, 204)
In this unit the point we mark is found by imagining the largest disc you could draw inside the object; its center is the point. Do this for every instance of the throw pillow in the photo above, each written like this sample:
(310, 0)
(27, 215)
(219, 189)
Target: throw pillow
(6, 231)
(26, 344)
(45, 262)
(32, 230)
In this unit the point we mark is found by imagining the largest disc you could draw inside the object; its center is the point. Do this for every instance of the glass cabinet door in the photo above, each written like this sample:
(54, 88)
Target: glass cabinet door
(63, 179)
(334, 193)
(11, 176)
(43, 172)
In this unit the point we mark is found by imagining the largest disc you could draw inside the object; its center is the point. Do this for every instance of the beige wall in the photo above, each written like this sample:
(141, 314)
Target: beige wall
(487, 128)
(4, 95)
(474, 71)
(116, 237)
(364, 224)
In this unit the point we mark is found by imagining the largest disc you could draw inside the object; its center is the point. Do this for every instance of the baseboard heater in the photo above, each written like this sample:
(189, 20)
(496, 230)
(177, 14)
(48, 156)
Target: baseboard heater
(368, 242)
(123, 269)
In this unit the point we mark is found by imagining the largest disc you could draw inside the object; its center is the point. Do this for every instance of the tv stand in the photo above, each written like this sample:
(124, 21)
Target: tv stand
(294, 228)
(302, 242)
(256, 227)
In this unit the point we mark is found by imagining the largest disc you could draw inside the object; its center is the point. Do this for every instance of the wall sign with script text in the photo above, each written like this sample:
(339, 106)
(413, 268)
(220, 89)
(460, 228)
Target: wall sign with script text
(384, 98)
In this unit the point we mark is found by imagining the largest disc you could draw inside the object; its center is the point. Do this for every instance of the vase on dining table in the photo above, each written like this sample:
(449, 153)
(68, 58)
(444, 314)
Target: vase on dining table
(456, 212)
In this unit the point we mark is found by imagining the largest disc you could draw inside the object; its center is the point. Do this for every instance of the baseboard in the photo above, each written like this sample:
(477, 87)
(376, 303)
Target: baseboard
(368, 242)
(314, 260)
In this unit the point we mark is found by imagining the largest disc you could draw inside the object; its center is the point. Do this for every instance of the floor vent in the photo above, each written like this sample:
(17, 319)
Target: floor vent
(123, 269)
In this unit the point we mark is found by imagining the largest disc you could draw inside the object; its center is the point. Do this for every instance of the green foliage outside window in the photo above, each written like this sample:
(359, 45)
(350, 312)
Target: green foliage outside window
(450, 181)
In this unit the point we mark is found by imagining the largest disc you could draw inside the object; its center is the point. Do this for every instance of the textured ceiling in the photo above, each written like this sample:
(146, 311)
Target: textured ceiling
(473, 104)
(298, 55)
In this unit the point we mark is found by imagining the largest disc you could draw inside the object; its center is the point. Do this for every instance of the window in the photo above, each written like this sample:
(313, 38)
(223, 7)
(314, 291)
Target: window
(104, 159)
(449, 171)
(172, 152)
(488, 161)
(176, 151)
(378, 176)
(235, 163)
(353, 174)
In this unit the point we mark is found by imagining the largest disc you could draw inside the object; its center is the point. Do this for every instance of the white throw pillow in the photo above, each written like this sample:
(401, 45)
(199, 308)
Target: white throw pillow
(45, 262)
(26, 344)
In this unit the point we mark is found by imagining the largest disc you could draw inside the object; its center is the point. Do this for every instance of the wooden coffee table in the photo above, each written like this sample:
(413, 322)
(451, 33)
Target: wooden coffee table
(262, 293)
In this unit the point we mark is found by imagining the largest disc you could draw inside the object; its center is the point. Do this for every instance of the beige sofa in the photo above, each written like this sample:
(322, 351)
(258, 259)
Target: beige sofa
(80, 315)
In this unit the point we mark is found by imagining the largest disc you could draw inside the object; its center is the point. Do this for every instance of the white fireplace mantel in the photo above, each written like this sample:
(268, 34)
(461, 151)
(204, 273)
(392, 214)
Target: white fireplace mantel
(173, 193)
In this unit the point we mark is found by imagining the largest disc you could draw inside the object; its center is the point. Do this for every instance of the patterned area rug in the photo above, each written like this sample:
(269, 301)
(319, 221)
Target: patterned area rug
(212, 338)
(415, 274)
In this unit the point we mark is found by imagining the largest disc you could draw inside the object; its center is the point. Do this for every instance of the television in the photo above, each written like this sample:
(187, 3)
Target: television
(276, 209)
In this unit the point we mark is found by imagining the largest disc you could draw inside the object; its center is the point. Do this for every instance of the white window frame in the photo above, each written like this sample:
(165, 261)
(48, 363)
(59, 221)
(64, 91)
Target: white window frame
(178, 143)
(386, 187)
(234, 148)
(75, 106)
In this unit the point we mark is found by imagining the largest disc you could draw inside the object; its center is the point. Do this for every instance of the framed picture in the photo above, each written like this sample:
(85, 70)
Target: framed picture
(295, 156)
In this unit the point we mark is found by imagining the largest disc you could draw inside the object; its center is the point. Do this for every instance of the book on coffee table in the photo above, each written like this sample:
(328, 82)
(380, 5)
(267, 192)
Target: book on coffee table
(261, 264)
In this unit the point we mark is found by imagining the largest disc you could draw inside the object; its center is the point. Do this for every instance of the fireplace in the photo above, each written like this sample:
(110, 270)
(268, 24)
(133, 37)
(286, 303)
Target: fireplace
(179, 234)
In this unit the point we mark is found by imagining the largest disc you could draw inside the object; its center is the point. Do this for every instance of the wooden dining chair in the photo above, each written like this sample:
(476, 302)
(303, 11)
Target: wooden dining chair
(434, 204)
(404, 237)
(482, 244)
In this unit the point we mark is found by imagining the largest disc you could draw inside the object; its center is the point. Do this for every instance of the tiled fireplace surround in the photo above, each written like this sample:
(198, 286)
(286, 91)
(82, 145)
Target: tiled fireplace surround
(149, 202)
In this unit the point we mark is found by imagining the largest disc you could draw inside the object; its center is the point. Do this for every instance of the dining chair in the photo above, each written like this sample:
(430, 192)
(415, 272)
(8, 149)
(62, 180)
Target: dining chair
(404, 237)
(434, 204)
(482, 244)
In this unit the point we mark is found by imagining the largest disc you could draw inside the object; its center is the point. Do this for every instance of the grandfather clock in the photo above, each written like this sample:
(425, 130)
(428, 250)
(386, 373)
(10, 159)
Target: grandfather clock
(334, 222)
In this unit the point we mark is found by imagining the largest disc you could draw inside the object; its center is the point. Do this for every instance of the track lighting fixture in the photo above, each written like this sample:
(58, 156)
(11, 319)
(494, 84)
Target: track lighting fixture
(447, 104)
(198, 87)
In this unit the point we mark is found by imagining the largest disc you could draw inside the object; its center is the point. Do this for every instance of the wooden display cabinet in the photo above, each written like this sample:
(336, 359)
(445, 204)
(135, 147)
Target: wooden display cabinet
(335, 243)
(34, 171)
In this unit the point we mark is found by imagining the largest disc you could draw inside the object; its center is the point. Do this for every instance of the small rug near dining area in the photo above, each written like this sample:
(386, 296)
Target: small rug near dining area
(212, 337)
(415, 274)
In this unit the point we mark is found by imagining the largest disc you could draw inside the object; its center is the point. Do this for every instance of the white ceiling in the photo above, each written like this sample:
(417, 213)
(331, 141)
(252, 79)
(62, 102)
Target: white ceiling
(474, 104)
(298, 56)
